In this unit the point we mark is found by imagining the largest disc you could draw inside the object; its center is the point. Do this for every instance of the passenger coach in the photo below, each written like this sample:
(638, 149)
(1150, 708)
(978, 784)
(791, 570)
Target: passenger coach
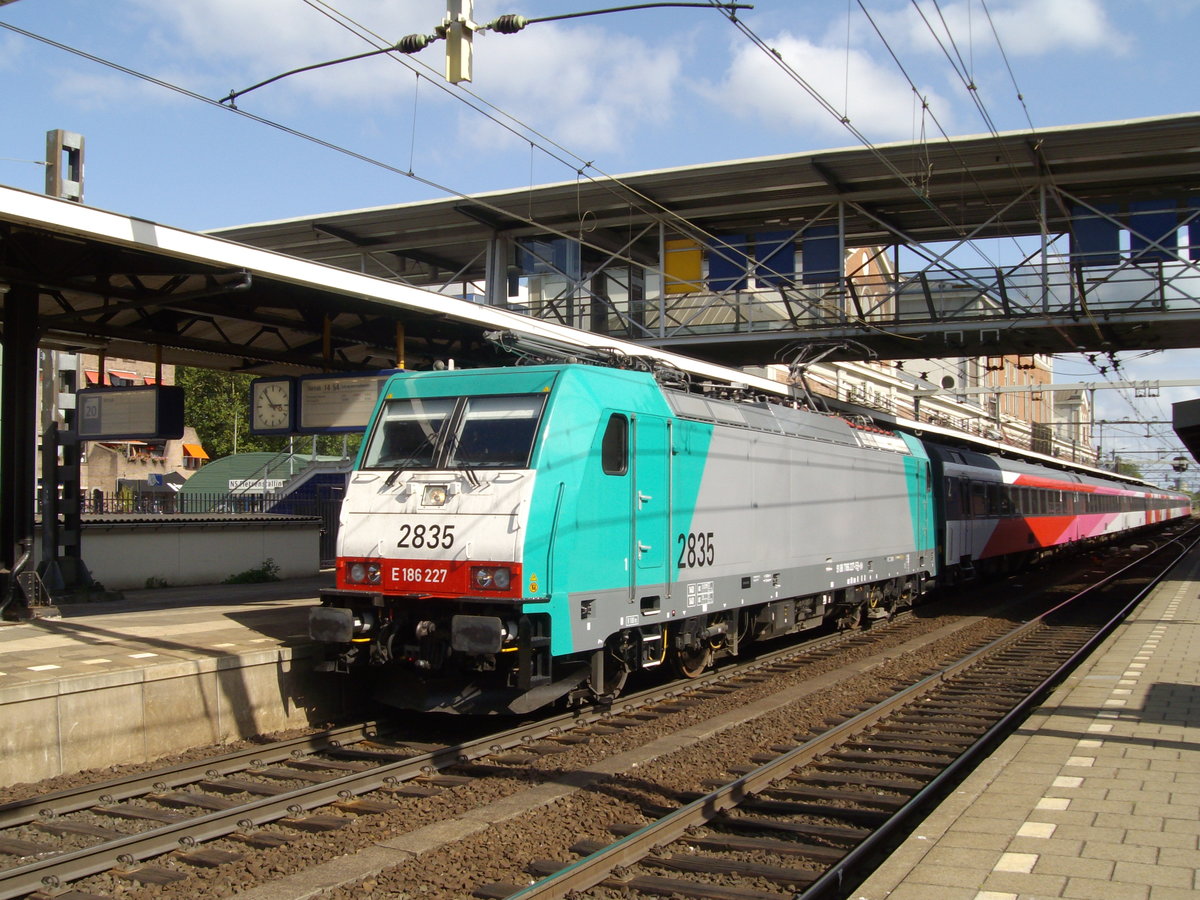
(996, 513)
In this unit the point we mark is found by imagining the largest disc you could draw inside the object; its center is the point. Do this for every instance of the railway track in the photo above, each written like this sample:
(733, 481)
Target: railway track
(808, 820)
(265, 796)
(151, 829)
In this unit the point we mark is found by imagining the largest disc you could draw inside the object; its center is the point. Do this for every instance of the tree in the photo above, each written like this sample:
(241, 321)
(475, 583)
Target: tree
(1130, 469)
(217, 405)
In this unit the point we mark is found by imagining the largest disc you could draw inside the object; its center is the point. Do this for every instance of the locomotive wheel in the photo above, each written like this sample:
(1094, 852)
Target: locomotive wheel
(615, 673)
(691, 662)
(852, 618)
(690, 651)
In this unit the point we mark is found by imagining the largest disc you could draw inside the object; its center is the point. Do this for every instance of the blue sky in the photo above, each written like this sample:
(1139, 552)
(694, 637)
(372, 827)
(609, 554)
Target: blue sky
(627, 92)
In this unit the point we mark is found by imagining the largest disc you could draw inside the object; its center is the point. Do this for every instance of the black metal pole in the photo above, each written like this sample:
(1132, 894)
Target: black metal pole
(18, 447)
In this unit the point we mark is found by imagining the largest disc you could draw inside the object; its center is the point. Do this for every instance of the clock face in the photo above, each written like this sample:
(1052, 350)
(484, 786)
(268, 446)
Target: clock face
(271, 405)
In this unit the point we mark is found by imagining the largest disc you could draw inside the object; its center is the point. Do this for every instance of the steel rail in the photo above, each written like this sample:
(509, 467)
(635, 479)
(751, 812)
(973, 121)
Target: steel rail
(64, 868)
(589, 871)
(21, 812)
(832, 882)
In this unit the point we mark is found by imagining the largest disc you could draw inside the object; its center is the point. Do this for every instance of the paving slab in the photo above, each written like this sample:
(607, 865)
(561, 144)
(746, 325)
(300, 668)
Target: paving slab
(1113, 757)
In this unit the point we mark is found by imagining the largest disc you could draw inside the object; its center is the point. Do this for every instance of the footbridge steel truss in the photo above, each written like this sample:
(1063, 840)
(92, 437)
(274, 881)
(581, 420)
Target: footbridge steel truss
(1089, 220)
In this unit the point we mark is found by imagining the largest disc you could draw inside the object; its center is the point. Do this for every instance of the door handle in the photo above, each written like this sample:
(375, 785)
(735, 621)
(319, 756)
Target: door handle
(644, 548)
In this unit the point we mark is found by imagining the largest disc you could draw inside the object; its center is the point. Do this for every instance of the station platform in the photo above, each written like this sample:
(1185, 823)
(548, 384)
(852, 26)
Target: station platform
(1096, 796)
(159, 672)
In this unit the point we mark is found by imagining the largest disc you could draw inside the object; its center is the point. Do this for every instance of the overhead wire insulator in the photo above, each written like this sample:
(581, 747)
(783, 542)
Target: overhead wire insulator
(411, 43)
(509, 24)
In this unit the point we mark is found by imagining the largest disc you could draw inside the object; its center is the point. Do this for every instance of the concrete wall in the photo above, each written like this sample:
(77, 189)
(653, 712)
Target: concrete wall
(141, 714)
(175, 551)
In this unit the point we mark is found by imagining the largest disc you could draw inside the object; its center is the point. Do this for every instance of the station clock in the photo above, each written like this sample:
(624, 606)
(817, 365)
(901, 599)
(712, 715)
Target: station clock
(272, 404)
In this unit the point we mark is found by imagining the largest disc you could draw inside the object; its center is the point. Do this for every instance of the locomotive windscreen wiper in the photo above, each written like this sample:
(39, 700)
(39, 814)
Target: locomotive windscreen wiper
(428, 440)
(453, 452)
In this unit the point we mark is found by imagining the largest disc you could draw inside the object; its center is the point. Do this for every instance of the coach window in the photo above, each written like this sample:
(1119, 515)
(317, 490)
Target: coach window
(1003, 501)
(978, 500)
(614, 448)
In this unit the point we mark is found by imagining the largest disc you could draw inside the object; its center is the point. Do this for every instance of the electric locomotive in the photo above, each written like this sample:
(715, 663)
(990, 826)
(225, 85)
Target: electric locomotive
(512, 537)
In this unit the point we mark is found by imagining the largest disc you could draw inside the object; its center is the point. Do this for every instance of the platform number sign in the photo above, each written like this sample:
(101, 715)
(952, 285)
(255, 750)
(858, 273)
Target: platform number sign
(153, 412)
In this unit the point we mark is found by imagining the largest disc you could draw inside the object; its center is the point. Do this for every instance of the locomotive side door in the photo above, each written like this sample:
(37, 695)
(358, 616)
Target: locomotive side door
(651, 503)
(925, 526)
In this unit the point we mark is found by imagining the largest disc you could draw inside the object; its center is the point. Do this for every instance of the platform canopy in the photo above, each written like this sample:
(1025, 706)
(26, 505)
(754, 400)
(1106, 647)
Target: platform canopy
(940, 190)
(299, 298)
(1185, 419)
(1100, 183)
(89, 280)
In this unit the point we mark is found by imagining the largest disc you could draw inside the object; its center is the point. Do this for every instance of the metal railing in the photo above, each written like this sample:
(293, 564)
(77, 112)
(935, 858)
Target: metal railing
(1056, 287)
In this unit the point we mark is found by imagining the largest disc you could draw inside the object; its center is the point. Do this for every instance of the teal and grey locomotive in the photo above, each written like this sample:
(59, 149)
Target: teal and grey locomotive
(513, 537)
(510, 537)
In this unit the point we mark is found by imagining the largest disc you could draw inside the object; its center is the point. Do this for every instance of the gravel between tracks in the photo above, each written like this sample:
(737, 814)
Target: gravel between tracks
(500, 852)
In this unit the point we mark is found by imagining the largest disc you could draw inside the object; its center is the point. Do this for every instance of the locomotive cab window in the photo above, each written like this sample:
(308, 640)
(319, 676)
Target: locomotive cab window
(495, 432)
(406, 434)
(614, 448)
(455, 432)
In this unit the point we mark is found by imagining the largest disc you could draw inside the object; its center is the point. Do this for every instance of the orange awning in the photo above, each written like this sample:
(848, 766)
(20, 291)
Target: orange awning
(195, 451)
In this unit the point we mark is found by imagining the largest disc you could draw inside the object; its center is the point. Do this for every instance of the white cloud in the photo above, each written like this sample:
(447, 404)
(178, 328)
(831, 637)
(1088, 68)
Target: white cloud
(584, 87)
(1024, 27)
(92, 88)
(587, 89)
(236, 43)
(11, 47)
(878, 100)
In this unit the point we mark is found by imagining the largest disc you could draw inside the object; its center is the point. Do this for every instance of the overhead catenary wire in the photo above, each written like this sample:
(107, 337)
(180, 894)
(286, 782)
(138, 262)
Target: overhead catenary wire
(126, 70)
(964, 72)
(1007, 65)
(581, 167)
(584, 167)
(506, 24)
(777, 58)
(927, 109)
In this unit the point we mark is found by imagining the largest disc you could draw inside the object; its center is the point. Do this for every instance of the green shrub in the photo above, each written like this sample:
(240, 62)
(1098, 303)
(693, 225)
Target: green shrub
(268, 571)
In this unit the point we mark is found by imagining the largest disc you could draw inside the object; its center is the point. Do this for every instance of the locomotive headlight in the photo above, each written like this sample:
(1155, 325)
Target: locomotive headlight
(357, 573)
(435, 495)
(373, 573)
(492, 578)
